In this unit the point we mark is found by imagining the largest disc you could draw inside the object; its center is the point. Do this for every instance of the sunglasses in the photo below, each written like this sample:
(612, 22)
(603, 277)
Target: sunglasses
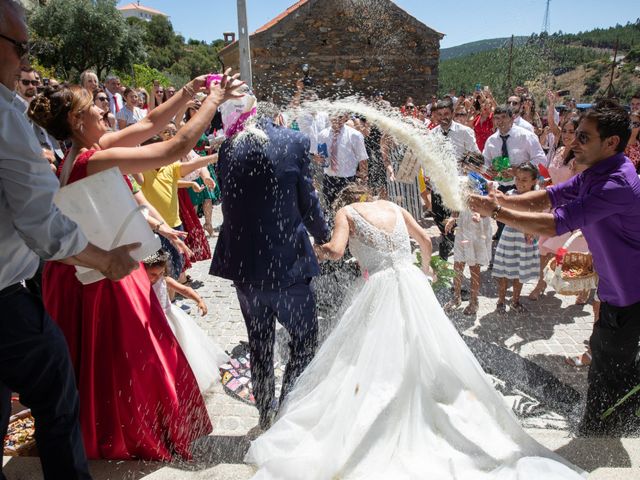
(26, 83)
(21, 48)
(582, 138)
(635, 124)
(102, 99)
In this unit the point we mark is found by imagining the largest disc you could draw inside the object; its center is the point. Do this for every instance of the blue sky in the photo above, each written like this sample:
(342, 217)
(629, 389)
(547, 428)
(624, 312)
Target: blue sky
(462, 21)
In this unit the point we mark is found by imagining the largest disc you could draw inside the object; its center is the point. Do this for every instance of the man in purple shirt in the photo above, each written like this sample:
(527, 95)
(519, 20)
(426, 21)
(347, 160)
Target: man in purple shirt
(604, 202)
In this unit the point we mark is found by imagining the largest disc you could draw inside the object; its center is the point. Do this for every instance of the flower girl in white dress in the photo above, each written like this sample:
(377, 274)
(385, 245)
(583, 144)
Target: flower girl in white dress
(394, 392)
(202, 353)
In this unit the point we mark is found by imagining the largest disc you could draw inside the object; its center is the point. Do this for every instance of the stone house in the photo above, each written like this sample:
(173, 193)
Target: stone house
(351, 46)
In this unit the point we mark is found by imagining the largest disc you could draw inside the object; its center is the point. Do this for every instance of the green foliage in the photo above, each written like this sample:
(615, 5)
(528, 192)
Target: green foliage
(70, 36)
(538, 57)
(479, 46)
(74, 35)
(143, 76)
(442, 269)
(628, 35)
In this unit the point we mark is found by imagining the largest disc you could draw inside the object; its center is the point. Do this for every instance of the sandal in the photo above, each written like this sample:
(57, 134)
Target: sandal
(537, 292)
(501, 308)
(518, 307)
(209, 229)
(582, 298)
(187, 280)
(471, 309)
(583, 360)
(452, 305)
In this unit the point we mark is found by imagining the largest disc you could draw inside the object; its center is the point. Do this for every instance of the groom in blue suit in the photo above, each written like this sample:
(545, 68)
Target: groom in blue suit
(269, 207)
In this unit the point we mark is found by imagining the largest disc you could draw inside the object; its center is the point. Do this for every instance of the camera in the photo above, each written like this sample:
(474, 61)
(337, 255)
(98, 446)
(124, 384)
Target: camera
(307, 80)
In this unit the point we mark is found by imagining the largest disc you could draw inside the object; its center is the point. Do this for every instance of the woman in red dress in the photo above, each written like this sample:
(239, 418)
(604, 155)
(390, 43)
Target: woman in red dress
(138, 396)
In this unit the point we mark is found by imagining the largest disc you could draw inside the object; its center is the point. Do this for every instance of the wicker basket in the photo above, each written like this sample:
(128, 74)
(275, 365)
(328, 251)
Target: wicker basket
(570, 273)
(26, 446)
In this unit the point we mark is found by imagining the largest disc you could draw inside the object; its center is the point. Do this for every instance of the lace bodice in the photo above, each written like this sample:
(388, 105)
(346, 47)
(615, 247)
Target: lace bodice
(376, 249)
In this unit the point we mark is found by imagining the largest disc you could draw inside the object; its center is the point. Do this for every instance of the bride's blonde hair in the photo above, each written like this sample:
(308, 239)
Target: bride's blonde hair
(353, 193)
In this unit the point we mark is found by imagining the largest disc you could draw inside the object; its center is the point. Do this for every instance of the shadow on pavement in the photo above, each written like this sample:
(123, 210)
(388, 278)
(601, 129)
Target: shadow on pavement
(591, 453)
(28, 468)
(214, 450)
(498, 328)
(526, 376)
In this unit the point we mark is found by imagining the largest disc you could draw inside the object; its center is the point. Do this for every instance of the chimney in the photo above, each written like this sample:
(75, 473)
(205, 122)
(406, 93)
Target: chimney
(229, 37)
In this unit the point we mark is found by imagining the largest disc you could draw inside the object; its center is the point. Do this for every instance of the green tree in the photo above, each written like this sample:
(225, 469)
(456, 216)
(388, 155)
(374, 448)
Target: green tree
(74, 35)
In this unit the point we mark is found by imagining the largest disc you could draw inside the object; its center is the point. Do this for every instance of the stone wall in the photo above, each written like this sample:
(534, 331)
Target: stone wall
(349, 50)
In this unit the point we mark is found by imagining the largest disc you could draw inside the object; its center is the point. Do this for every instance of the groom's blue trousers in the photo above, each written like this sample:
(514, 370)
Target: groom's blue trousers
(294, 306)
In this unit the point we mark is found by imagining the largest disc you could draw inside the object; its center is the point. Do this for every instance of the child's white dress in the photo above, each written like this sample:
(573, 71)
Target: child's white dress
(203, 355)
(472, 243)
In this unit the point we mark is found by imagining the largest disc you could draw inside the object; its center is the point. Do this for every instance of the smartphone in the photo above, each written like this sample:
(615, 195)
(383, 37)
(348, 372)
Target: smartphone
(563, 93)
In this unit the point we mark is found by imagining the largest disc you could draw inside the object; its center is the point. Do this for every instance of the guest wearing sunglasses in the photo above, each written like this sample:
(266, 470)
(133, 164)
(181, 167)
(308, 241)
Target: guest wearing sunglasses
(604, 202)
(28, 83)
(515, 103)
(101, 100)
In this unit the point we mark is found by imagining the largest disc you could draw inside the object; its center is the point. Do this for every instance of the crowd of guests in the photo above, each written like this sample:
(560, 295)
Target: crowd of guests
(535, 141)
(140, 374)
(138, 395)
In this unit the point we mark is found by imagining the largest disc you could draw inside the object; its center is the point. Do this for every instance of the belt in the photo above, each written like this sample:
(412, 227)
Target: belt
(12, 289)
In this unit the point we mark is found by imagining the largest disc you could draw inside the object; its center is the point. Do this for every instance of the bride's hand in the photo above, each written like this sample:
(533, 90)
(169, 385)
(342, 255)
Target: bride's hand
(431, 275)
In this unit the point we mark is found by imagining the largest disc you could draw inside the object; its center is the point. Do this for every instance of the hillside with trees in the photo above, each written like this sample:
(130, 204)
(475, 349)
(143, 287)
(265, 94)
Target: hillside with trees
(579, 62)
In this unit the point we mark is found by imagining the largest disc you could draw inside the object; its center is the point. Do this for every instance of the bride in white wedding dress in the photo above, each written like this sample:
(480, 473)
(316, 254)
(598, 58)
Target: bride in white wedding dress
(394, 393)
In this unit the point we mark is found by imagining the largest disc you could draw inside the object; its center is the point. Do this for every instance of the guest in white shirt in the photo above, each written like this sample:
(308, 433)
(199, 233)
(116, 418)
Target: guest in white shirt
(515, 102)
(461, 137)
(511, 141)
(130, 113)
(347, 157)
(112, 86)
(516, 143)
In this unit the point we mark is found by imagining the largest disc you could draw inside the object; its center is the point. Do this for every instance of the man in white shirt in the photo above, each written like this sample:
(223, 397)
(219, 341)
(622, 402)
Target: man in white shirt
(511, 141)
(461, 137)
(346, 157)
(515, 102)
(112, 86)
(34, 357)
(516, 143)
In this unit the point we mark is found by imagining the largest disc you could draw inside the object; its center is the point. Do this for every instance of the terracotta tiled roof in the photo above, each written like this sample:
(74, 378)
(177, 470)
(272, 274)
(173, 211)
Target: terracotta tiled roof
(142, 8)
(283, 15)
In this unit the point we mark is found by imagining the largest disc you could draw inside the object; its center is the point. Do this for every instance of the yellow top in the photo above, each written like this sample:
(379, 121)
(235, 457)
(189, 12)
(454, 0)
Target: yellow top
(161, 189)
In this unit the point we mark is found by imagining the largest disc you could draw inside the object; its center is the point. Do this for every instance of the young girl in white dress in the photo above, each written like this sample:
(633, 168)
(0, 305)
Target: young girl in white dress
(517, 256)
(394, 392)
(202, 353)
(472, 246)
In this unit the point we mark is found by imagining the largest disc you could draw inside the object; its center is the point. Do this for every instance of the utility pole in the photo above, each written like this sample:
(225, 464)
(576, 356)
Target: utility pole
(510, 64)
(610, 91)
(243, 44)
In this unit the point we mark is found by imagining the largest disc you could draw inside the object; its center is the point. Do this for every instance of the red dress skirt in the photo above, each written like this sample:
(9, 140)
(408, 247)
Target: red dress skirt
(196, 240)
(138, 395)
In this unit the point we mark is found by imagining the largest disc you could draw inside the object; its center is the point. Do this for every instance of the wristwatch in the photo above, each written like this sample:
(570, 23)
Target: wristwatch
(496, 211)
(156, 229)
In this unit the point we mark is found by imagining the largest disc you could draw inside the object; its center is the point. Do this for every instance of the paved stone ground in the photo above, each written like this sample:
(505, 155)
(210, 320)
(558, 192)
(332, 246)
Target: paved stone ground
(553, 328)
